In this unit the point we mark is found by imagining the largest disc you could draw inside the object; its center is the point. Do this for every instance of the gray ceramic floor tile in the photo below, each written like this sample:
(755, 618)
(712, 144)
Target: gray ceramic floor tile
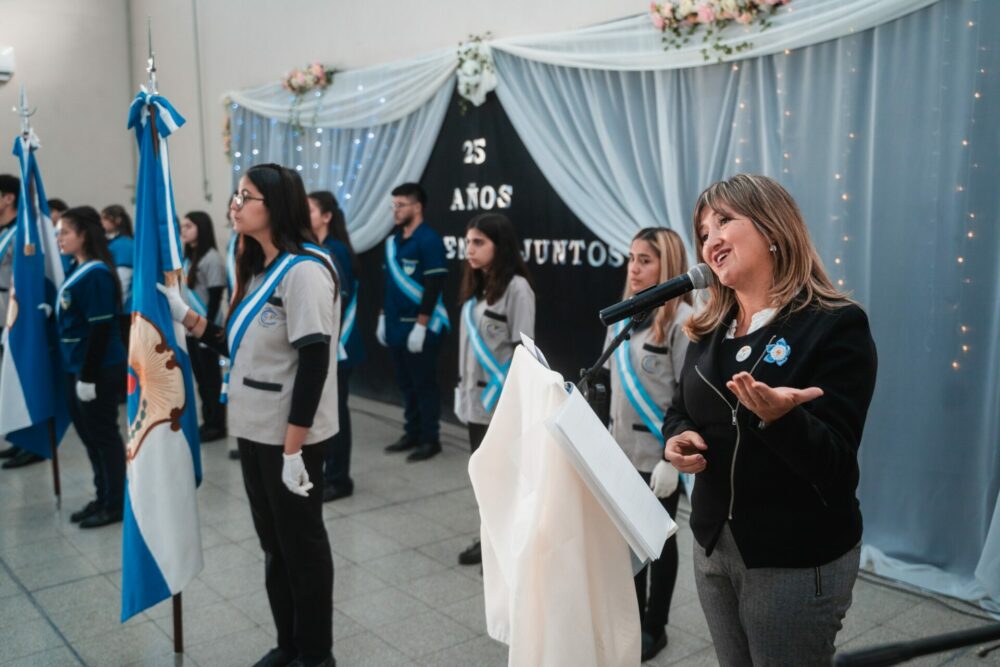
(77, 593)
(203, 624)
(56, 657)
(354, 580)
(481, 652)
(367, 650)
(425, 633)
(16, 609)
(388, 605)
(126, 645)
(442, 588)
(404, 567)
(236, 650)
(27, 637)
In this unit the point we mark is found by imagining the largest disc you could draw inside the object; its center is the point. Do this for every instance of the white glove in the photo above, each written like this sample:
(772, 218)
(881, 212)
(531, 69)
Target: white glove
(178, 309)
(86, 391)
(294, 475)
(415, 341)
(380, 330)
(664, 480)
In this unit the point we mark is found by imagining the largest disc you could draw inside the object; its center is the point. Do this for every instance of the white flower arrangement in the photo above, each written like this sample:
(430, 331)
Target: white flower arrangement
(476, 74)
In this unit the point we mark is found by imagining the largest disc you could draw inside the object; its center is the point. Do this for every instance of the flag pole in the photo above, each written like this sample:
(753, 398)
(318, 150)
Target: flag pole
(55, 461)
(178, 624)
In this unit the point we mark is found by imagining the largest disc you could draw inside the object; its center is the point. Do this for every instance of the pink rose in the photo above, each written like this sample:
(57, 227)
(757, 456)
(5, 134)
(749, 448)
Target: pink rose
(318, 70)
(657, 20)
(667, 10)
(706, 13)
(745, 18)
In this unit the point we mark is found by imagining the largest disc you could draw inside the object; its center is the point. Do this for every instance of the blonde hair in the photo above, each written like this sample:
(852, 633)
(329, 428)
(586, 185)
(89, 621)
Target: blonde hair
(670, 251)
(797, 266)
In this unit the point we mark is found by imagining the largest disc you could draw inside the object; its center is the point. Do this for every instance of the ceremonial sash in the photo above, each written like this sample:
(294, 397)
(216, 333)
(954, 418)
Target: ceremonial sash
(413, 290)
(327, 257)
(231, 263)
(80, 272)
(251, 305)
(195, 301)
(347, 326)
(640, 399)
(496, 373)
(5, 240)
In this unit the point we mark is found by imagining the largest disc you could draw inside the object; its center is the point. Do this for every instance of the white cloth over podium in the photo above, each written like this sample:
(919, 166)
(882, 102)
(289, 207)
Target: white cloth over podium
(557, 572)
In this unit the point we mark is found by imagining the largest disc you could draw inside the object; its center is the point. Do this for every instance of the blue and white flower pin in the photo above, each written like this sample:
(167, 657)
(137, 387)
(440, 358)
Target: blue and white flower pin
(777, 353)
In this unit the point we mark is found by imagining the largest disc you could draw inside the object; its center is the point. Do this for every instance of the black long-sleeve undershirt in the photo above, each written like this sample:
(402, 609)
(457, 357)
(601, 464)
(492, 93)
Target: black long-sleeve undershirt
(432, 290)
(214, 301)
(97, 343)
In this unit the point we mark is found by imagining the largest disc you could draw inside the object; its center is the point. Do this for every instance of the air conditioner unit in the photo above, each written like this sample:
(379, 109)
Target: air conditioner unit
(6, 63)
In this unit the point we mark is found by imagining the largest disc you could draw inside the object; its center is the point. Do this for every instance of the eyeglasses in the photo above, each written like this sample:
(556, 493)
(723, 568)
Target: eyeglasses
(395, 206)
(240, 199)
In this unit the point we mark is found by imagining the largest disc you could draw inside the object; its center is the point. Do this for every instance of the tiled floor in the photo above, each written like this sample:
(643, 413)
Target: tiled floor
(399, 596)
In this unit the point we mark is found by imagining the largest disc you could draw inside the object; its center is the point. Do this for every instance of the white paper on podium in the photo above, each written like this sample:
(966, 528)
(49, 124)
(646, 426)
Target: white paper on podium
(612, 478)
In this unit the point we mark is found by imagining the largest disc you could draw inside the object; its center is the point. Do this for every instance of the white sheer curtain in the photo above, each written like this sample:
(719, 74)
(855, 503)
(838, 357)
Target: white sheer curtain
(888, 140)
(359, 165)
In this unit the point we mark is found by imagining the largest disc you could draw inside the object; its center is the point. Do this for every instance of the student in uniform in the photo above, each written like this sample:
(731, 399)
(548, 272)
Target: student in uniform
(118, 228)
(645, 370)
(414, 319)
(88, 307)
(330, 228)
(205, 285)
(498, 305)
(280, 337)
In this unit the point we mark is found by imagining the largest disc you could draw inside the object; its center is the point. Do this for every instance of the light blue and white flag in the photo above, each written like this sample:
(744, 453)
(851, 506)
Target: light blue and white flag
(32, 396)
(161, 550)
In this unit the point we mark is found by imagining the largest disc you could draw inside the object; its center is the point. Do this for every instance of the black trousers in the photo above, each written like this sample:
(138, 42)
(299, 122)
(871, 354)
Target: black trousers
(417, 378)
(208, 375)
(298, 567)
(661, 575)
(96, 422)
(338, 454)
(476, 434)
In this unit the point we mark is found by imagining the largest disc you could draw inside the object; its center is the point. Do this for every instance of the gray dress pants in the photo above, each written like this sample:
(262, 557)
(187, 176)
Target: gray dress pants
(772, 617)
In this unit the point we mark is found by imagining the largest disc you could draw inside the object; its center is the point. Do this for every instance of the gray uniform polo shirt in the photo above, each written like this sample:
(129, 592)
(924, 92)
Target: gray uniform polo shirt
(500, 324)
(658, 367)
(301, 310)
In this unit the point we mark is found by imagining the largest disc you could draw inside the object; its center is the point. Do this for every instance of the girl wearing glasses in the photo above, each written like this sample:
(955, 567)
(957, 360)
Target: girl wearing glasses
(204, 285)
(645, 370)
(280, 336)
(498, 304)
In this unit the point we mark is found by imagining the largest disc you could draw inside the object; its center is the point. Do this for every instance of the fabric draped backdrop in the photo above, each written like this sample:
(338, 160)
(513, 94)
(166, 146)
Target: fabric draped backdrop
(880, 119)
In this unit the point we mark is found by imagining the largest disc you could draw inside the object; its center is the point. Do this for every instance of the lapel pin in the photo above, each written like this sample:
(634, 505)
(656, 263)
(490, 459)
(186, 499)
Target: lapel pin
(777, 353)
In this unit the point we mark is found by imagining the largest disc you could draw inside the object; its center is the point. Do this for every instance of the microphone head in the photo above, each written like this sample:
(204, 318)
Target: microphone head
(701, 276)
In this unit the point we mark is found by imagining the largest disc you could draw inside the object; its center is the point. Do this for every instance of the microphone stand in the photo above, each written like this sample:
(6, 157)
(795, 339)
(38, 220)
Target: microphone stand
(594, 387)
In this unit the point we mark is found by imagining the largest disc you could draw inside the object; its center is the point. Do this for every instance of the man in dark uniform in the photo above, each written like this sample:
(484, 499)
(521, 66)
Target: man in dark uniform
(414, 319)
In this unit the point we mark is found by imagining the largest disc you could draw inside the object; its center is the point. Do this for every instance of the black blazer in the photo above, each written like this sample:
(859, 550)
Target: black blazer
(789, 494)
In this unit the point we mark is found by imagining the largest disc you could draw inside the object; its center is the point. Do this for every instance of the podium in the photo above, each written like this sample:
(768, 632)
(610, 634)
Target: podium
(563, 511)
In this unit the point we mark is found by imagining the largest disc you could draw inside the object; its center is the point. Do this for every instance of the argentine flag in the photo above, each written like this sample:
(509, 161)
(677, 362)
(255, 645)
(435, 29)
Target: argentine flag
(162, 540)
(31, 382)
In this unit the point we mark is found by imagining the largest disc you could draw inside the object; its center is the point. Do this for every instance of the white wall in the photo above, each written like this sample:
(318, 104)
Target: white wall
(73, 56)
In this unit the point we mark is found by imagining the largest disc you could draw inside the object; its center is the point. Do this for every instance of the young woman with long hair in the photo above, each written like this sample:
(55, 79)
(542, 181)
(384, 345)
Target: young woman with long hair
(204, 288)
(645, 371)
(117, 224)
(280, 337)
(498, 304)
(88, 308)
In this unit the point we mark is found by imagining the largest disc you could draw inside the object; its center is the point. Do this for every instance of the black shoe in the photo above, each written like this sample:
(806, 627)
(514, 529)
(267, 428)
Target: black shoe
(91, 508)
(9, 453)
(471, 556)
(424, 452)
(276, 657)
(651, 646)
(211, 433)
(102, 517)
(331, 492)
(21, 459)
(234, 454)
(403, 444)
(325, 662)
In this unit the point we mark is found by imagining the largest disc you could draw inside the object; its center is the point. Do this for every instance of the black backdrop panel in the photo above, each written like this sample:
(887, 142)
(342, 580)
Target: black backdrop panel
(479, 164)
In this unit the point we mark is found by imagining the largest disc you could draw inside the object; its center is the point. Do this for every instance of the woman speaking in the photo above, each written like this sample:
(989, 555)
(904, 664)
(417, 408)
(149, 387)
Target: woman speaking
(768, 415)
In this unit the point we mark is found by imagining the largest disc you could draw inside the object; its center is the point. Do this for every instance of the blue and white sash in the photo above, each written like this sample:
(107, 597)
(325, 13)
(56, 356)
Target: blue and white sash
(347, 326)
(251, 305)
(413, 290)
(74, 278)
(231, 263)
(496, 373)
(5, 240)
(649, 411)
(327, 257)
(195, 301)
